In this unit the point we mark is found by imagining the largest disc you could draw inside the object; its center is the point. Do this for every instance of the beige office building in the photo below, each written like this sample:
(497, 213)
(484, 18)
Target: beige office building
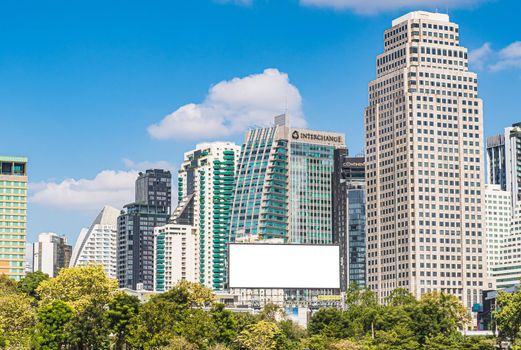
(13, 215)
(425, 164)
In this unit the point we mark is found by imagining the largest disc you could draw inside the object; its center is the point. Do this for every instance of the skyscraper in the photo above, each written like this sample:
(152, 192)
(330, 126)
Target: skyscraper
(284, 184)
(205, 189)
(13, 215)
(98, 243)
(135, 257)
(349, 215)
(425, 164)
(51, 253)
(504, 161)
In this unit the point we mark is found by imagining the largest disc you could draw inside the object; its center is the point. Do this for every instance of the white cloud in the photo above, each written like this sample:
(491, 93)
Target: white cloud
(376, 6)
(110, 187)
(479, 56)
(142, 166)
(232, 106)
(486, 58)
(509, 57)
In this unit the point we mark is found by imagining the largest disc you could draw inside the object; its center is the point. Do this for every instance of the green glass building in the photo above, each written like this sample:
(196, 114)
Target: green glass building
(284, 185)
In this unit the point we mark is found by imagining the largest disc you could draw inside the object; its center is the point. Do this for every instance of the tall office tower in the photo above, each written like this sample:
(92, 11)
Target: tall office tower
(498, 217)
(98, 243)
(175, 255)
(135, 242)
(284, 184)
(13, 215)
(206, 179)
(504, 161)
(51, 253)
(424, 164)
(349, 215)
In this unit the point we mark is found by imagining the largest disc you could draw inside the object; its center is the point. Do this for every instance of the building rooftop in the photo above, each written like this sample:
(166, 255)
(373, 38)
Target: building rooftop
(13, 159)
(440, 17)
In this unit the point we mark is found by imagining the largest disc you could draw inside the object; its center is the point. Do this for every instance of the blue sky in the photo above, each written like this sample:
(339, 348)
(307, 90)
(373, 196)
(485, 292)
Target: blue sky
(85, 86)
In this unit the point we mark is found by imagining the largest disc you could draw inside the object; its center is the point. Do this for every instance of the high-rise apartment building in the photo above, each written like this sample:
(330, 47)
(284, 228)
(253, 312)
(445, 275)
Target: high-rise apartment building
(205, 189)
(425, 164)
(284, 184)
(51, 253)
(507, 273)
(176, 255)
(13, 215)
(498, 220)
(135, 241)
(349, 216)
(98, 243)
(504, 161)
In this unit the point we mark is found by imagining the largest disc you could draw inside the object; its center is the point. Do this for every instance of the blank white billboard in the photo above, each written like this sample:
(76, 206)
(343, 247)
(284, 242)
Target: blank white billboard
(284, 266)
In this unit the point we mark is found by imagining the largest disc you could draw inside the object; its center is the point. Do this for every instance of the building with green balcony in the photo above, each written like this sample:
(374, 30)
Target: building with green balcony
(205, 189)
(13, 215)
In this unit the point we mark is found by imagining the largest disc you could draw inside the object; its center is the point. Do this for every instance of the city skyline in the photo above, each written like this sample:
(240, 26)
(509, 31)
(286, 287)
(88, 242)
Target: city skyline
(86, 138)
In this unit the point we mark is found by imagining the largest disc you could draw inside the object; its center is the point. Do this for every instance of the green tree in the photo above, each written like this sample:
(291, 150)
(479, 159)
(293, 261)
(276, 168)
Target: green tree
(190, 294)
(7, 285)
(178, 312)
(225, 324)
(363, 311)
(30, 283)
(122, 309)
(317, 342)
(51, 333)
(271, 312)
(179, 343)
(156, 323)
(400, 297)
(293, 334)
(346, 344)
(261, 336)
(438, 313)
(79, 287)
(198, 328)
(508, 315)
(17, 318)
(244, 319)
(329, 322)
(89, 329)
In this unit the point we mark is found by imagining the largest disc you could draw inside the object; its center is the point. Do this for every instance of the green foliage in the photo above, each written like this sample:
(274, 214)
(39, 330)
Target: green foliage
(17, 318)
(293, 334)
(80, 287)
(51, 330)
(175, 313)
(225, 324)
(89, 328)
(330, 323)
(30, 283)
(121, 310)
(244, 319)
(81, 309)
(438, 313)
(508, 315)
(7, 285)
(271, 312)
(262, 335)
(179, 343)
